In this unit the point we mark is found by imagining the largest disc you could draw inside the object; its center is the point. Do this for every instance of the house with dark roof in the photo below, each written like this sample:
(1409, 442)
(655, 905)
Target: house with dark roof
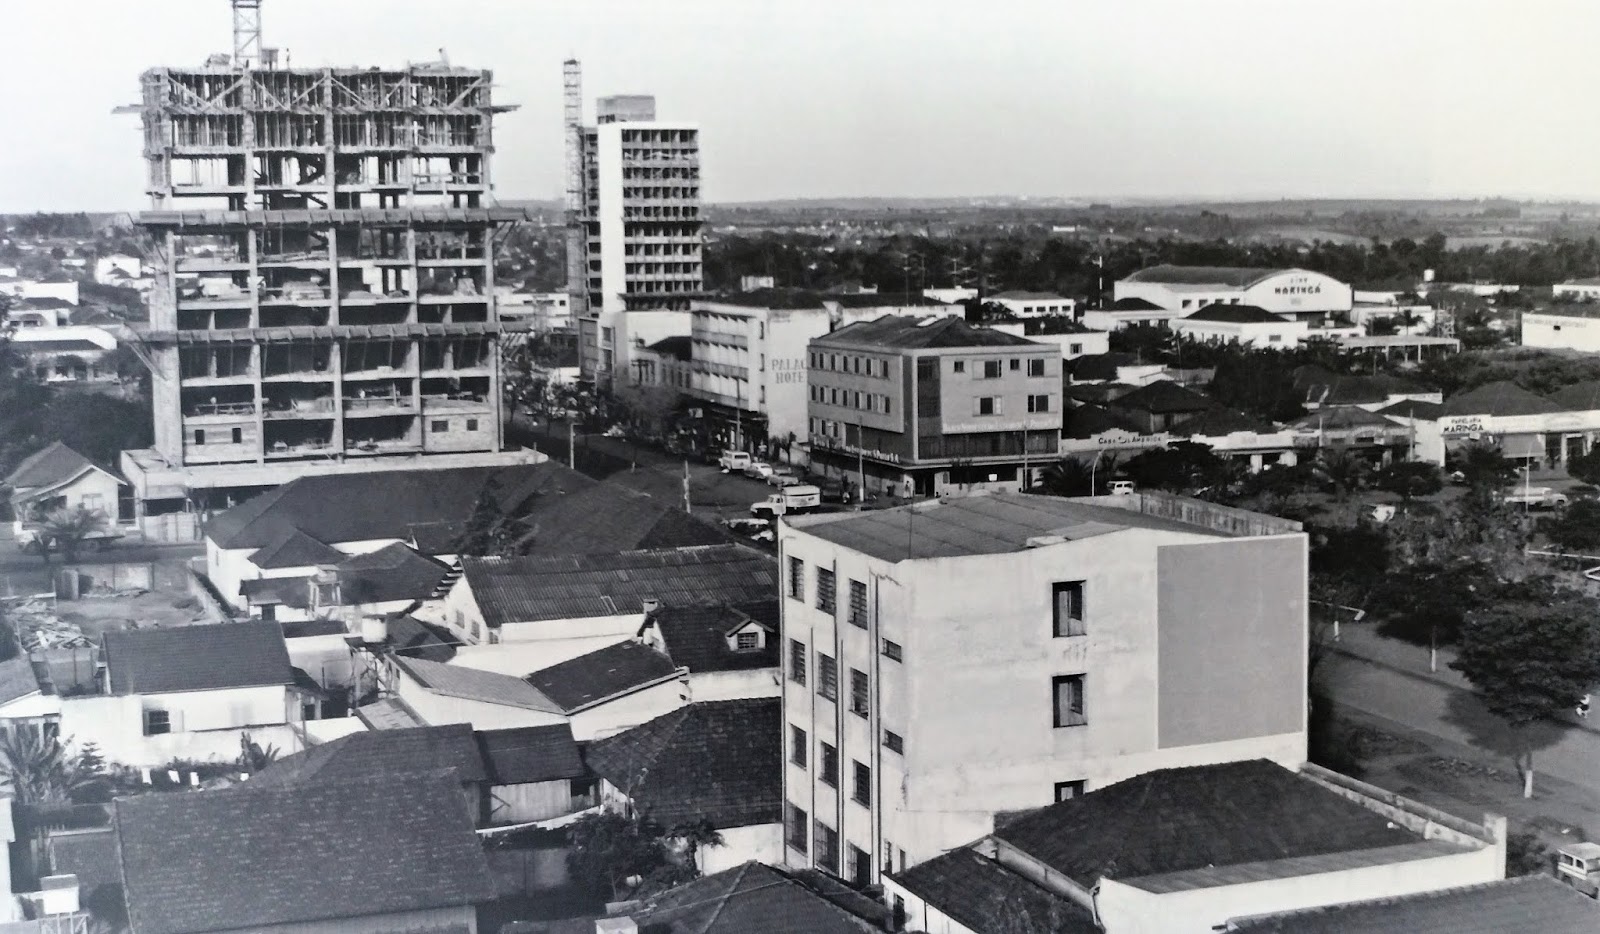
(1155, 407)
(1299, 294)
(55, 478)
(1325, 389)
(1187, 849)
(449, 750)
(27, 700)
(717, 761)
(378, 854)
(730, 651)
(917, 405)
(535, 774)
(1535, 431)
(753, 898)
(1129, 312)
(392, 580)
(593, 600)
(437, 693)
(189, 692)
(1248, 325)
(613, 688)
(1535, 904)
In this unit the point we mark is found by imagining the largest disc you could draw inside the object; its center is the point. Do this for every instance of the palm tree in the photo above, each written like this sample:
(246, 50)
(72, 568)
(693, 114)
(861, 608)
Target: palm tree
(66, 529)
(694, 835)
(36, 769)
(1066, 477)
(1343, 470)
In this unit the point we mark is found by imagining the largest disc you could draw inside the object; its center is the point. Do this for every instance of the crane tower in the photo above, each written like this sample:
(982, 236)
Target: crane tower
(246, 33)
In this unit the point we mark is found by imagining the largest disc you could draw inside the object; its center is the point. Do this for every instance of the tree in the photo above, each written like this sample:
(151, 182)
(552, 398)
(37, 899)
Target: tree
(1410, 478)
(1069, 477)
(612, 853)
(66, 529)
(1343, 471)
(1531, 656)
(1577, 528)
(1587, 467)
(490, 530)
(1181, 467)
(693, 835)
(38, 770)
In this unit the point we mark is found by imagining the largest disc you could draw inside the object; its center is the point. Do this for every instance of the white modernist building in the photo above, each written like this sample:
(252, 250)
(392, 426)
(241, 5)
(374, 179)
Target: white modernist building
(1579, 289)
(1563, 327)
(1035, 304)
(1296, 293)
(1106, 640)
(644, 231)
(1242, 324)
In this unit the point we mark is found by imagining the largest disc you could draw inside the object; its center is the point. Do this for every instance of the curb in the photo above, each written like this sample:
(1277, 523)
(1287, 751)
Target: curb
(1426, 678)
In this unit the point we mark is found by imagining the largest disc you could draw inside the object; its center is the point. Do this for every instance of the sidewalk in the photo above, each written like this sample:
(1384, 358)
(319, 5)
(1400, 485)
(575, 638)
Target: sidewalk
(1362, 641)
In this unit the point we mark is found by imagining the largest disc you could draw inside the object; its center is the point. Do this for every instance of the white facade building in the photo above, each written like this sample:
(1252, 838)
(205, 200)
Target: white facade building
(1578, 289)
(1035, 304)
(1568, 327)
(753, 360)
(1242, 324)
(66, 291)
(1106, 640)
(1295, 293)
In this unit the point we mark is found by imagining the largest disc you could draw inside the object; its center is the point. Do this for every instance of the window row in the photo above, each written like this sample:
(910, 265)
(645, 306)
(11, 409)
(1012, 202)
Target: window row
(850, 363)
(995, 368)
(828, 765)
(853, 399)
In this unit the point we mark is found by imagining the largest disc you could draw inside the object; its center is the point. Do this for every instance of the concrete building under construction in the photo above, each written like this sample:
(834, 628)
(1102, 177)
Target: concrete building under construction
(325, 246)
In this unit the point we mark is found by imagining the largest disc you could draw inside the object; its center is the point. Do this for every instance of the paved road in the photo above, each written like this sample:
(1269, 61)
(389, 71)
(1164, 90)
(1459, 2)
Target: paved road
(1456, 715)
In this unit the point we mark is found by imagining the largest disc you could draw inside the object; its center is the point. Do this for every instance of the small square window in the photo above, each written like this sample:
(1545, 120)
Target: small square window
(1036, 366)
(991, 369)
(861, 787)
(959, 366)
(472, 424)
(1066, 791)
(986, 405)
(894, 742)
(238, 435)
(1068, 700)
(1067, 608)
(157, 722)
(438, 425)
(1039, 403)
(1017, 365)
(891, 650)
(797, 746)
(747, 641)
(199, 437)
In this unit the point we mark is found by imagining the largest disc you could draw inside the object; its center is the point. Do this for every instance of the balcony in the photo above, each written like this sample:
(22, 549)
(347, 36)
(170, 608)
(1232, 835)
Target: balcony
(281, 450)
(365, 405)
(219, 411)
(299, 408)
(460, 401)
(371, 446)
(296, 293)
(723, 337)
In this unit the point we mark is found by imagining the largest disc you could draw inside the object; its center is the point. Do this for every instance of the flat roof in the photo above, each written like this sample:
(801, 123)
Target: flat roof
(979, 524)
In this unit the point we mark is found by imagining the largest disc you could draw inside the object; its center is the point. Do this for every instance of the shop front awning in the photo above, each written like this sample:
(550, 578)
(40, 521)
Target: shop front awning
(1521, 447)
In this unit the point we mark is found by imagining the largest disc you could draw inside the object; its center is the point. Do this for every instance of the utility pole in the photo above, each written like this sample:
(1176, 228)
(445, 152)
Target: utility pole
(572, 443)
(687, 505)
(861, 462)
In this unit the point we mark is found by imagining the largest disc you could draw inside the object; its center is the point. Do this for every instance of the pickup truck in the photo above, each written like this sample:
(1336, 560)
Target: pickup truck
(791, 500)
(1535, 497)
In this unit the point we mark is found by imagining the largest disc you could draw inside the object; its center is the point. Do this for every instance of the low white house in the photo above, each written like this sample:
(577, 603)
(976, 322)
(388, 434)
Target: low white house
(1563, 327)
(57, 477)
(1023, 304)
(438, 693)
(730, 651)
(1242, 324)
(720, 762)
(188, 692)
(1577, 289)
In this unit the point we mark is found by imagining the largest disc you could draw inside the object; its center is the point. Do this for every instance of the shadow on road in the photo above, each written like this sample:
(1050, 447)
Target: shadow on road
(1492, 734)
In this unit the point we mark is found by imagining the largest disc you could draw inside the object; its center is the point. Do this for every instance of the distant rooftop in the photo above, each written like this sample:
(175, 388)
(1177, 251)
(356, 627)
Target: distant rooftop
(1501, 398)
(1134, 303)
(923, 334)
(1238, 277)
(1236, 314)
(980, 524)
(1524, 905)
(1020, 295)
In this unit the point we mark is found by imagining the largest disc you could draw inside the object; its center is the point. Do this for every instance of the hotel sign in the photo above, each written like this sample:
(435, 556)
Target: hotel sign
(788, 370)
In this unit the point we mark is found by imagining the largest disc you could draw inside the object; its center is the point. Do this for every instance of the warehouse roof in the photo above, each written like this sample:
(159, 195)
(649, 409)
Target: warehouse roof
(981, 524)
(429, 749)
(487, 687)
(1501, 398)
(531, 754)
(754, 898)
(973, 889)
(1238, 277)
(528, 589)
(1163, 397)
(619, 668)
(1535, 904)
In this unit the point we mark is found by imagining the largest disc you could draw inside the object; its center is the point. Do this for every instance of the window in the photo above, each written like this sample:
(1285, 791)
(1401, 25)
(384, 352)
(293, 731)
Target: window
(797, 662)
(859, 698)
(891, 650)
(238, 436)
(199, 437)
(860, 866)
(795, 831)
(827, 677)
(1066, 791)
(1039, 403)
(472, 424)
(827, 847)
(1036, 367)
(894, 742)
(438, 426)
(1068, 690)
(829, 765)
(157, 722)
(1074, 348)
(1067, 608)
(986, 405)
(825, 590)
(991, 369)
(1274, 338)
(797, 579)
(861, 787)
(858, 604)
(1017, 365)
(857, 402)
(959, 366)
(797, 746)
(747, 641)
(886, 406)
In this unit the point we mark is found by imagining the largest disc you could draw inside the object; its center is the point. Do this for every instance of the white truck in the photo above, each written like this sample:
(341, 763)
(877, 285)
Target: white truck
(791, 500)
(733, 461)
(1578, 865)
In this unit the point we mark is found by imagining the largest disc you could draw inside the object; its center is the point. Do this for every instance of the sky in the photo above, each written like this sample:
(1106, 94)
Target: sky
(1093, 99)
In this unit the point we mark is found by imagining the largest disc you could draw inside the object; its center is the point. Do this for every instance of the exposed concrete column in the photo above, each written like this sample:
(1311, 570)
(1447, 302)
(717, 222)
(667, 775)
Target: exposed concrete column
(257, 369)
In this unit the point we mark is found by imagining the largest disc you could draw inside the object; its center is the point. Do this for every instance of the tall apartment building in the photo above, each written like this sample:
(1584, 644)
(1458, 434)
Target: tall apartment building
(951, 660)
(921, 405)
(643, 232)
(325, 259)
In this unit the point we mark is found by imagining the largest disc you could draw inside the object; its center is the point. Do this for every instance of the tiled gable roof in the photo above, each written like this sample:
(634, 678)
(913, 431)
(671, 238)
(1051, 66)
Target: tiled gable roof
(295, 549)
(196, 658)
(1134, 303)
(428, 749)
(394, 572)
(515, 590)
(1163, 396)
(1236, 314)
(17, 679)
(1528, 905)
(252, 857)
(604, 673)
(718, 760)
(531, 754)
(697, 636)
(486, 687)
(1500, 398)
(751, 898)
(1220, 421)
(923, 333)
(53, 464)
(1173, 820)
(973, 890)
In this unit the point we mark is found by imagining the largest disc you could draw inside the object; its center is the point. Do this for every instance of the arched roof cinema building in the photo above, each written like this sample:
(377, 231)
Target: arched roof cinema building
(1299, 294)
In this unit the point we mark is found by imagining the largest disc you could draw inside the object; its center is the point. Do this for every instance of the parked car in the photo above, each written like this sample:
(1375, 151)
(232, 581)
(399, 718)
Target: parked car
(1535, 497)
(731, 461)
(782, 476)
(1121, 487)
(758, 470)
(832, 488)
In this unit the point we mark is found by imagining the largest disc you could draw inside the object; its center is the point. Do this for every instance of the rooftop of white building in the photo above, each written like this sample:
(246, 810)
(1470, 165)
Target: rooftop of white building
(1237, 277)
(985, 523)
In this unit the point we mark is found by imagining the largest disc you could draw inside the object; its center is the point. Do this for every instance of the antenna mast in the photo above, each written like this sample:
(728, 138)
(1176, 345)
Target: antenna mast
(246, 33)
(577, 237)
